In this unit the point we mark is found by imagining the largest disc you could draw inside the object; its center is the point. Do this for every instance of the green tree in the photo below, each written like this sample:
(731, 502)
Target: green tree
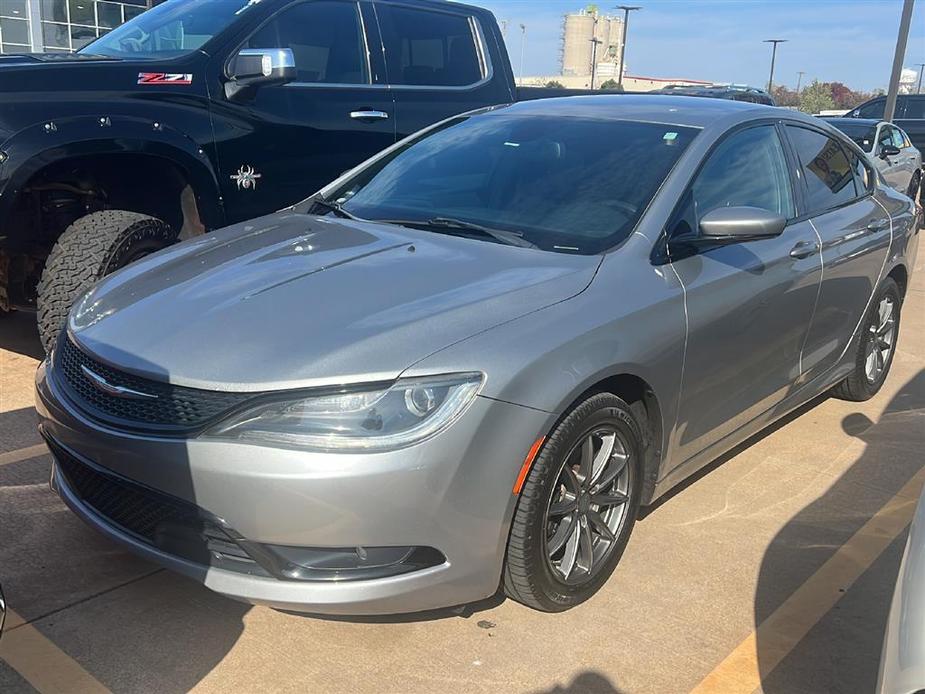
(612, 84)
(555, 84)
(816, 97)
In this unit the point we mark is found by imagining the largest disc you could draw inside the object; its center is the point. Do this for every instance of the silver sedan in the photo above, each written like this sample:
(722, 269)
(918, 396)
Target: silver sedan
(468, 362)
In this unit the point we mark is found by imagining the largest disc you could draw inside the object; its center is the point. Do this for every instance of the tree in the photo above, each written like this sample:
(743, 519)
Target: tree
(555, 84)
(816, 97)
(612, 84)
(785, 97)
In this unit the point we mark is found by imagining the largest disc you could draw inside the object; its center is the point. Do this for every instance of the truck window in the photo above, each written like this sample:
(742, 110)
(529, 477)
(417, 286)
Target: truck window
(428, 48)
(874, 109)
(326, 39)
(915, 107)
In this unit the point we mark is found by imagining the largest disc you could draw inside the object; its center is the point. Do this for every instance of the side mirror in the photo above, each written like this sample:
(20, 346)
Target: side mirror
(740, 224)
(253, 68)
(888, 151)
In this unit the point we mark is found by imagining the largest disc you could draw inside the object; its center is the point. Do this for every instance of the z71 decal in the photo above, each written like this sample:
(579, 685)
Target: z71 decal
(164, 78)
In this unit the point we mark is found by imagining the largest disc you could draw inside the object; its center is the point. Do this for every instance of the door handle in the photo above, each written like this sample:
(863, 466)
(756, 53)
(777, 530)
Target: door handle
(804, 249)
(878, 225)
(369, 115)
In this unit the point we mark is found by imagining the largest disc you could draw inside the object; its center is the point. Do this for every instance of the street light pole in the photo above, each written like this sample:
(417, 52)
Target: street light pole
(918, 90)
(523, 40)
(594, 43)
(626, 20)
(800, 74)
(774, 43)
(901, 40)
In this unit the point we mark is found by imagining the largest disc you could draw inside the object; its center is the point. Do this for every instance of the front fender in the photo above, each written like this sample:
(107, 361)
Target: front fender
(33, 148)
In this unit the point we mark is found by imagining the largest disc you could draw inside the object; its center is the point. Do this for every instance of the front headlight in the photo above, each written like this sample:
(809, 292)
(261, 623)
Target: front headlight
(373, 419)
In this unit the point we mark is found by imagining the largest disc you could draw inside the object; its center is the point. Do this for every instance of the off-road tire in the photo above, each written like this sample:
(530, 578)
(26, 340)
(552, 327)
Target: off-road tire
(527, 577)
(856, 387)
(88, 250)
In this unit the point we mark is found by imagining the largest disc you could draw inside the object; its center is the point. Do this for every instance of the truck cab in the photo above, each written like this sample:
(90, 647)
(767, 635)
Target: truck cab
(201, 113)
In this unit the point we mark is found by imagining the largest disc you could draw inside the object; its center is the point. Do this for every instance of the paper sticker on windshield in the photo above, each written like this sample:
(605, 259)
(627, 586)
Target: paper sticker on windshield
(164, 78)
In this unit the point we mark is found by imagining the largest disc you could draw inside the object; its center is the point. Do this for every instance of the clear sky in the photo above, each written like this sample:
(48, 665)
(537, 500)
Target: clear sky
(850, 41)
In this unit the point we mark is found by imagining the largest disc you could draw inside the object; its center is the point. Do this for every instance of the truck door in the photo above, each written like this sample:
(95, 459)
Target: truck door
(438, 63)
(288, 141)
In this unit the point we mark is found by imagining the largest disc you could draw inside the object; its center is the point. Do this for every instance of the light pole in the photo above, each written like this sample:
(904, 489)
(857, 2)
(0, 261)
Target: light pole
(523, 40)
(626, 20)
(503, 23)
(594, 43)
(774, 42)
(800, 74)
(905, 19)
(918, 90)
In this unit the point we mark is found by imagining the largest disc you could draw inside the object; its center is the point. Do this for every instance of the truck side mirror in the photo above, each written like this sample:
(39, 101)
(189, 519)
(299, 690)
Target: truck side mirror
(253, 68)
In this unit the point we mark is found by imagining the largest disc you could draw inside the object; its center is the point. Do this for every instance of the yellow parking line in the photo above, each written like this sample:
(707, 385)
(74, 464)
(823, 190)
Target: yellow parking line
(41, 663)
(23, 454)
(781, 631)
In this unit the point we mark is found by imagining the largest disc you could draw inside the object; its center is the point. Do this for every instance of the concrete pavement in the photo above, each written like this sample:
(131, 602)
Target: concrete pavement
(777, 536)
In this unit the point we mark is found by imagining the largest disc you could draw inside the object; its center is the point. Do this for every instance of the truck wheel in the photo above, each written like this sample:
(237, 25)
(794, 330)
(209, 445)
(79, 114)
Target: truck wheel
(88, 250)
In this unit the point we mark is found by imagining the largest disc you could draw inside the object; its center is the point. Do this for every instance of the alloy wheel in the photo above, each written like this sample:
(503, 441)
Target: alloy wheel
(587, 508)
(880, 340)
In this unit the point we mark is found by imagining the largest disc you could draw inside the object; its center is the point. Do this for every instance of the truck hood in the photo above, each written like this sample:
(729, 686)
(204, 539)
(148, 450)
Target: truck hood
(293, 300)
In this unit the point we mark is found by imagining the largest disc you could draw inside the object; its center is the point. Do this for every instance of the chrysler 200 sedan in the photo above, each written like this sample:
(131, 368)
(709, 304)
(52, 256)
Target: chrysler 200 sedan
(466, 363)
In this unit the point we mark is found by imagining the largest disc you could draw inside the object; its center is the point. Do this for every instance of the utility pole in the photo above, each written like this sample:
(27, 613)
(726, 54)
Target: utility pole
(503, 23)
(594, 43)
(523, 40)
(626, 20)
(774, 43)
(800, 74)
(901, 41)
(918, 90)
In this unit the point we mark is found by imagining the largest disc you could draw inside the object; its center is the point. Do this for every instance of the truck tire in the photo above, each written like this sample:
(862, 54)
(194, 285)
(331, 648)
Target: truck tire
(88, 250)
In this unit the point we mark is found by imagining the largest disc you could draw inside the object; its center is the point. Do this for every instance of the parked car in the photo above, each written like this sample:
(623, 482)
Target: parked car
(201, 113)
(909, 115)
(902, 663)
(890, 151)
(471, 360)
(735, 92)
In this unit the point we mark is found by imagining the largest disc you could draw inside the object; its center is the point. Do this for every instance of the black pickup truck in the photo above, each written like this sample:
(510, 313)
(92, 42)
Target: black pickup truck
(201, 113)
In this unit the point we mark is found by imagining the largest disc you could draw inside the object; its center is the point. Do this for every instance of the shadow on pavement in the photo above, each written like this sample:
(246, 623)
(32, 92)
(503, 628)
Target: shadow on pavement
(589, 682)
(18, 333)
(841, 652)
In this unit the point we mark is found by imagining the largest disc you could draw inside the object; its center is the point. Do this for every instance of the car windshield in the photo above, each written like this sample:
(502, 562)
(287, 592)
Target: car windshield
(862, 133)
(169, 30)
(565, 184)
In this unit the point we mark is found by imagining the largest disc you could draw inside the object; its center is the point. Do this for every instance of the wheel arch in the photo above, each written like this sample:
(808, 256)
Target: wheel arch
(645, 404)
(900, 275)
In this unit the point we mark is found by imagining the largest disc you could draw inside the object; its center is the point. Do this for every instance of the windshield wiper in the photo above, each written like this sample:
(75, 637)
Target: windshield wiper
(510, 238)
(334, 207)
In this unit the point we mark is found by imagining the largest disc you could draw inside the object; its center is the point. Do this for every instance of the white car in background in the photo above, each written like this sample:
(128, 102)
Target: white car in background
(890, 150)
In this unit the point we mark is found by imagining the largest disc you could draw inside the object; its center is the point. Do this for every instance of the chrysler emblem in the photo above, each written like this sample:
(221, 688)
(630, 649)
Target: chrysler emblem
(105, 386)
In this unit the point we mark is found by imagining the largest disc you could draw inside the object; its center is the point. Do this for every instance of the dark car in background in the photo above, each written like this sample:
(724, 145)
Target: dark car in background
(909, 115)
(734, 92)
(889, 149)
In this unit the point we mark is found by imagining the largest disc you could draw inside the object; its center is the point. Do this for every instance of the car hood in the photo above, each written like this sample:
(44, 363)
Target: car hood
(292, 300)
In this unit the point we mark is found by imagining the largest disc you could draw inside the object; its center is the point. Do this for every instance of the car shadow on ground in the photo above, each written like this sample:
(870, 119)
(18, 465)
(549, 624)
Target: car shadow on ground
(841, 652)
(19, 334)
(130, 624)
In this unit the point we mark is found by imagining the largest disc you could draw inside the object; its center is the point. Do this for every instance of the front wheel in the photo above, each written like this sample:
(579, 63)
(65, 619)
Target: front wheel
(88, 250)
(577, 507)
(876, 346)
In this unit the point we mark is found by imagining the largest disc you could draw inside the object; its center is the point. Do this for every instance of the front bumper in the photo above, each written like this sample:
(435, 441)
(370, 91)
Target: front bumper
(451, 493)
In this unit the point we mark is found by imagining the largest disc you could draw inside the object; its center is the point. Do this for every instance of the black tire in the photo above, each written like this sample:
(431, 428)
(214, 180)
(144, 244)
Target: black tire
(88, 250)
(858, 386)
(530, 576)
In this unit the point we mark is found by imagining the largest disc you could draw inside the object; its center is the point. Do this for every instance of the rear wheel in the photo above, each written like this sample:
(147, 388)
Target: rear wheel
(88, 250)
(876, 346)
(577, 507)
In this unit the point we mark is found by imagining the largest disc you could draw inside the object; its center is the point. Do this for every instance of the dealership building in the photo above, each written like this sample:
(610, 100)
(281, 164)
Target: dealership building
(60, 25)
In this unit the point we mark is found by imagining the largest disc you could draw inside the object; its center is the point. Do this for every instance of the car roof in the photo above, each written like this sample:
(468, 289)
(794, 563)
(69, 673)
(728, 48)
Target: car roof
(692, 111)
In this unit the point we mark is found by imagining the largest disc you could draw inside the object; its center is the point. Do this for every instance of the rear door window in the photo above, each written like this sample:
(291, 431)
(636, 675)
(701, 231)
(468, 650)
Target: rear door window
(873, 109)
(428, 47)
(827, 171)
